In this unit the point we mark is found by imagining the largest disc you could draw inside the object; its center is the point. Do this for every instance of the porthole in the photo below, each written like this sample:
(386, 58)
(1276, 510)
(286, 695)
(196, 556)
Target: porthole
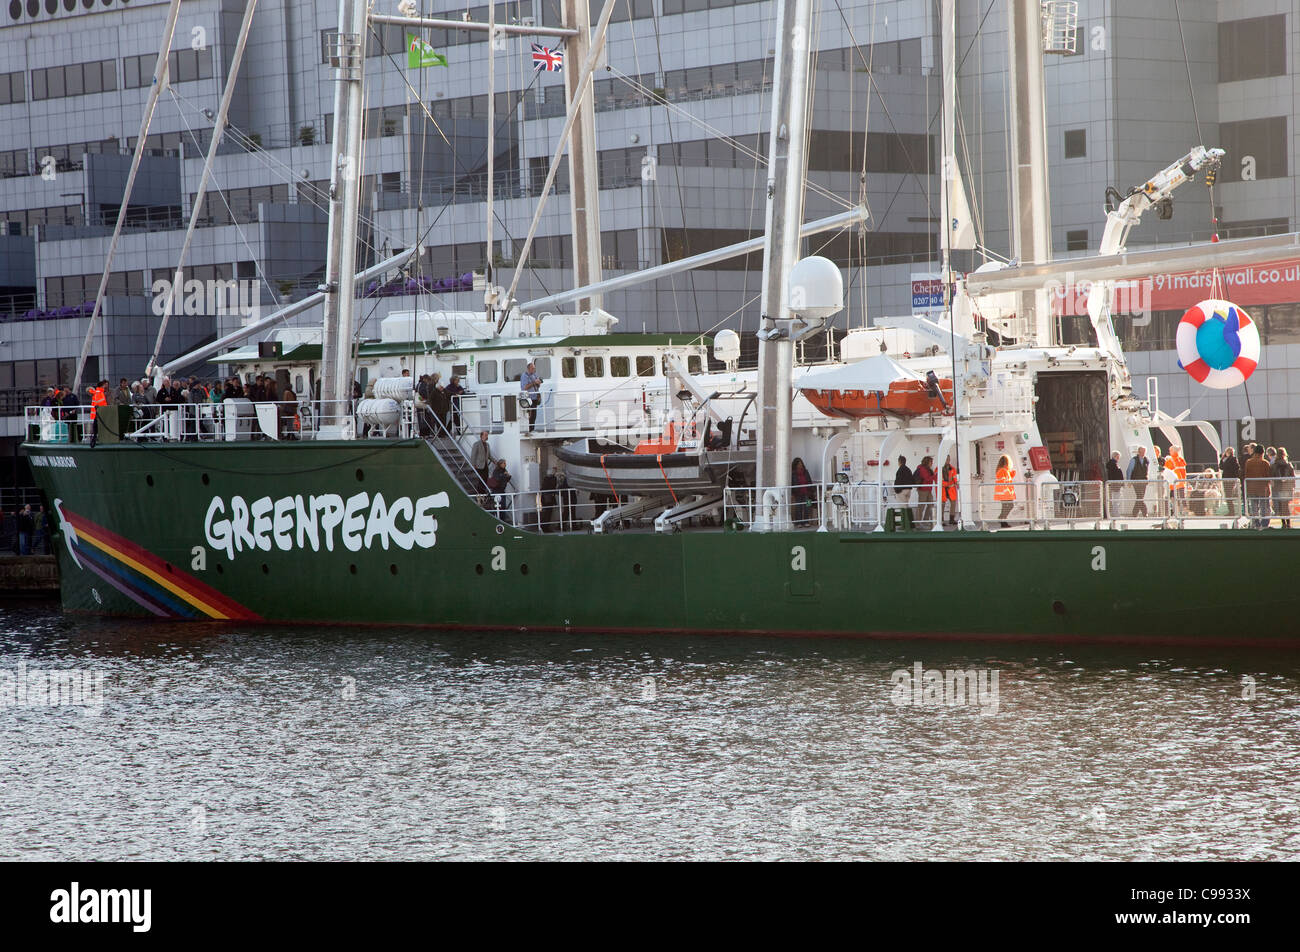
(523, 568)
(478, 569)
(1058, 607)
(636, 568)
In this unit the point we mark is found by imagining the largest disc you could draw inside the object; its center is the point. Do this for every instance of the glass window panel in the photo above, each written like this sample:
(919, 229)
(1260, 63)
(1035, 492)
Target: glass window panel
(40, 88)
(620, 366)
(487, 371)
(593, 366)
(645, 366)
(24, 374)
(569, 367)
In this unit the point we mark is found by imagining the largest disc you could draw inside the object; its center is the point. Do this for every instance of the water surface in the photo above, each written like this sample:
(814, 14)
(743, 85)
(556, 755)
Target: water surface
(231, 743)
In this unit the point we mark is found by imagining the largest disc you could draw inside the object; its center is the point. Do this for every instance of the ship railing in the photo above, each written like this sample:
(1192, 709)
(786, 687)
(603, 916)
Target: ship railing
(557, 510)
(230, 420)
(1005, 505)
(1001, 398)
(772, 508)
(1070, 503)
(1270, 500)
(1140, 499)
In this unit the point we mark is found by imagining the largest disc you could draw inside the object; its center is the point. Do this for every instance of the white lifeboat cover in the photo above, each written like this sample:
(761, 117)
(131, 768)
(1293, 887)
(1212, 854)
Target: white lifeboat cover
(874, 373)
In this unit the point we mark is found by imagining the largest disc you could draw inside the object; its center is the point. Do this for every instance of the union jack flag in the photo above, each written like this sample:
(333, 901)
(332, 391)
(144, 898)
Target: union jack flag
(550, 60)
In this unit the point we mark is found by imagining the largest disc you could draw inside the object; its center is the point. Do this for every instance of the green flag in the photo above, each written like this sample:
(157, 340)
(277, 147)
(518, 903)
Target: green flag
(420, 54)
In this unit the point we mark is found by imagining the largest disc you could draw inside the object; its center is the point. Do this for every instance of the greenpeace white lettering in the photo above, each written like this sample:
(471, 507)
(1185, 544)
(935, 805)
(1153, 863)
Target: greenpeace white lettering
(310, 522)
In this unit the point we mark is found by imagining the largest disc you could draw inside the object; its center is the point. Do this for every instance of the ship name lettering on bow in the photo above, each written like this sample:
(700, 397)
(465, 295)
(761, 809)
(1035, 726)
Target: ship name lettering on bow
(310, 522)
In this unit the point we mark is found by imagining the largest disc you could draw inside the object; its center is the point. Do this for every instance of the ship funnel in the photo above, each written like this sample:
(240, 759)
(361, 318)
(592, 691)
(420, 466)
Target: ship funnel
(816, 288)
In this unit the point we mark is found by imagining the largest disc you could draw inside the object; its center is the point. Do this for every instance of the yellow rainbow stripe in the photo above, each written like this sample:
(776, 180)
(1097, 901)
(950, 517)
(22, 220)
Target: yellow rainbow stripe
(159, 579)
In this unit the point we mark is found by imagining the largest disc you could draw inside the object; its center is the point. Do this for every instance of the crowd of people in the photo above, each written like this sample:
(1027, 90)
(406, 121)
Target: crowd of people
(1264, 477)
(25, 530)
(148, 400)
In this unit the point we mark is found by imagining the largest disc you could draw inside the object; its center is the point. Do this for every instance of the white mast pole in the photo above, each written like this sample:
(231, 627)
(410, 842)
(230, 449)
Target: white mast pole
(155, 90)
(948, 171)
(584, 184)
(490, 295)
(218, 130)
(785, 188)
(582, 83)
(1031, 241)
(345, 194)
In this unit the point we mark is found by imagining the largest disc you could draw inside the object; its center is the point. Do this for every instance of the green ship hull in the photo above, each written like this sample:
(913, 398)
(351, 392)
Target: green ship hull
(297, 533)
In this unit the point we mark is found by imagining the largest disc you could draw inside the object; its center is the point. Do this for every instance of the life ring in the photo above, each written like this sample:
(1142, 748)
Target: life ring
(1218, 344)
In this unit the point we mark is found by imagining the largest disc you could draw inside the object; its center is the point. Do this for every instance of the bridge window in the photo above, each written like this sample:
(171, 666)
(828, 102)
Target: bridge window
(593, 366)
(487, 371)
(569, 367)
(620, 366)
(645, 366)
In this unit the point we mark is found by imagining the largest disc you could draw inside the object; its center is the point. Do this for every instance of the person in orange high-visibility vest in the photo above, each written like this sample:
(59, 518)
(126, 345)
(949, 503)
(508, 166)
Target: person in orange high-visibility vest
(1005, 492)
(1175, 464)
(98, 398)
(949, 473)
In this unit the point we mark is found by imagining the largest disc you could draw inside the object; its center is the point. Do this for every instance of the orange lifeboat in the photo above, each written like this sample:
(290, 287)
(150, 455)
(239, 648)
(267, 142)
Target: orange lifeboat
(905, 398)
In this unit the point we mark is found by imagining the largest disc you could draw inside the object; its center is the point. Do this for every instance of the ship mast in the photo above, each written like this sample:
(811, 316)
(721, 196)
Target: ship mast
(345, 194)
(785, 188)
(584, 182)
(1031, 226)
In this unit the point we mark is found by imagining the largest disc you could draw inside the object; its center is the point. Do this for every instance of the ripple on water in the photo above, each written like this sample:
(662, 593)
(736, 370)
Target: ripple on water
(242, 743)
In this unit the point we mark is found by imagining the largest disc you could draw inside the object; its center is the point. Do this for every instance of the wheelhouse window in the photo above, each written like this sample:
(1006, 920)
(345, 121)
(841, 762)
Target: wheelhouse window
(620, 366)
(487, 371)
(515, 369)
(694, 364)
(569, 367)
(645, 366)
(593, 366)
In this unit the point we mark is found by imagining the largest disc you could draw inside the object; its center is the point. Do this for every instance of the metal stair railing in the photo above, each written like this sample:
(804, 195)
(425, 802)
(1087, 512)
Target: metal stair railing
(450, 454)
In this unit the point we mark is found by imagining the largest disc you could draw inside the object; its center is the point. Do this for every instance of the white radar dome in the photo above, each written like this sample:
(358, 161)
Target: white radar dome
(816, 288)
(726, 346)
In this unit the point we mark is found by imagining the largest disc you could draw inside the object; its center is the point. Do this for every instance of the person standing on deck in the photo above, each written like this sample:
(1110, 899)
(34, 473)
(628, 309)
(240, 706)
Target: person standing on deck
(480, 457)
(1259, 485)
(1176, 465)
(1114, 475)
(530, 392)
(949, 505)
(1283, 486)
(1231, 470)
(1137, 474)
(925, 480)
(98, 398)
(454, 392)
(903, 482)
(1005, 492)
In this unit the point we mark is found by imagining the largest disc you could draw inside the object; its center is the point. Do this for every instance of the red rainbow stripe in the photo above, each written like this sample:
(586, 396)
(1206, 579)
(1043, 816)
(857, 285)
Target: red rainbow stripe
(186, 587)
